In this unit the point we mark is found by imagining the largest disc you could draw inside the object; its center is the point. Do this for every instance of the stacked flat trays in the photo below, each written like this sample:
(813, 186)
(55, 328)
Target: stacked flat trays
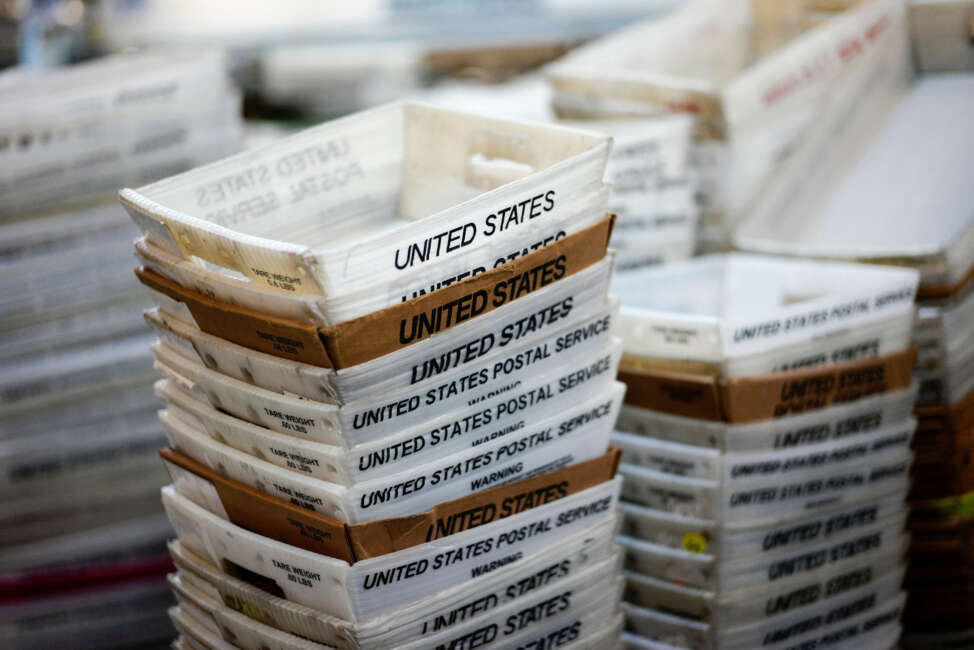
(388, 362)
(915, 214)
(83, 540)
(766, 452)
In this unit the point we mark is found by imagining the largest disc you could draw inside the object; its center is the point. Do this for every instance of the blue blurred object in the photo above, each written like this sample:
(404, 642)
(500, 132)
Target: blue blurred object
(52, 33)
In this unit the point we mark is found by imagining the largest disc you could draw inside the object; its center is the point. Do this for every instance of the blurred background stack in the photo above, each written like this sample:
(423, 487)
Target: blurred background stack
(83, 533)
(762, 78)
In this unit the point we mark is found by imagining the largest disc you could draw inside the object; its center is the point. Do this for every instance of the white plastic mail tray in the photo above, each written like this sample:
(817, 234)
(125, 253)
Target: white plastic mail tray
(905, 197)
(862, 618)
(758, 76)
(736, 607)
(792, 533)
(403, 192)
(375, 417)
(729, 310)
(75, 411)
(767, 500)
(35, 384)
(693, 461)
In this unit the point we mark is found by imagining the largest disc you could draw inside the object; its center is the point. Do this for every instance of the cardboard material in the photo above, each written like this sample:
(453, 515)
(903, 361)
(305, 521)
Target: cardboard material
(942, 35)
(281, 337)
(291, 524)
(944, 449)
(762, 397)
(685, 394)
(377, 334)
(270, 516)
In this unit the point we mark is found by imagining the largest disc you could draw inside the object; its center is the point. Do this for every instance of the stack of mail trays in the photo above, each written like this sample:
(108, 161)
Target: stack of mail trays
(760, 77)
(83, 536)
(917, 214)
(766, 452)
(389, 381)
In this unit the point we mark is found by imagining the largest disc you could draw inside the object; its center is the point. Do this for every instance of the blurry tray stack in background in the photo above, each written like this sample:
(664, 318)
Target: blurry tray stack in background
(765, 452)
(761, 77)
(901, 193)
(388, 370)
(83, 534)
(326, 58)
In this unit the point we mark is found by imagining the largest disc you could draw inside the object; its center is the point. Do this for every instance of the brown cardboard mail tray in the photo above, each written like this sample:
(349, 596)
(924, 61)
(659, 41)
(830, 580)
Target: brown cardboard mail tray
(379, 333)
(275, 518)
(762, 397)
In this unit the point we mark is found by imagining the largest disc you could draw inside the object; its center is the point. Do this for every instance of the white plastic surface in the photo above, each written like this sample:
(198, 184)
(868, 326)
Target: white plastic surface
(706, 538)
(916, 211)
(241, 631)
(857, 621)
(575, 435)
(719, 308)
(370, 420)
(649, 166)
(505, 415)
(767, 500)
(729, 468)
(86, 129)
(406, 191)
